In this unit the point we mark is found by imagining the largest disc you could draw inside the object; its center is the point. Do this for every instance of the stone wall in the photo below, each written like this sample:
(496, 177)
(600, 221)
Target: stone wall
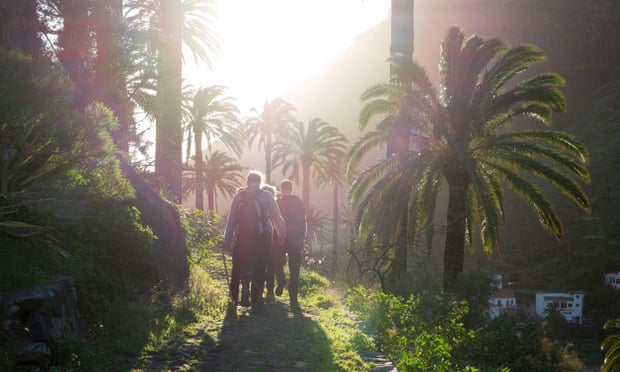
(33, 319)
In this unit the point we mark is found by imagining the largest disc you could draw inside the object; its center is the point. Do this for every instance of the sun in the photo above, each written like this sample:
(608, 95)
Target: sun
(269, 46)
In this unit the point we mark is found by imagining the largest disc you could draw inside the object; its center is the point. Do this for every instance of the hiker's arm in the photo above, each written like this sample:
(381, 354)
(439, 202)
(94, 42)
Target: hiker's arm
(230, 223)
(278, 221)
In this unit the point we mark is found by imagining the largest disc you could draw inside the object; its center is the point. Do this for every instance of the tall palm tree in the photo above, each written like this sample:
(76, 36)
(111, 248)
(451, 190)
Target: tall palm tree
(463, 139)
(315, 148)
(220, 173)
(169, 25)
(275, 118)
(214, 117)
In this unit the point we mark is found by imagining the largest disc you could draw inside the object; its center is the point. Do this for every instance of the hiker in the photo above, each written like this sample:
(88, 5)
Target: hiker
(294, 214)
(275, 264)
(253, 213)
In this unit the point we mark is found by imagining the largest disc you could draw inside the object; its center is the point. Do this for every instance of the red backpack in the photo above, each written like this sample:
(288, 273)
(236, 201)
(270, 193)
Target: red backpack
(251, 216)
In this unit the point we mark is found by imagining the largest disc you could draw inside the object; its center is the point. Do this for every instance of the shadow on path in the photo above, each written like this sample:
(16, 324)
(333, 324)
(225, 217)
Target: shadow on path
(278, 339)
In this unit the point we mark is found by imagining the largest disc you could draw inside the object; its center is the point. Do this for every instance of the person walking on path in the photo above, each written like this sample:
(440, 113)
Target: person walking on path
(294, 214)
(275, 264)
(253, 215)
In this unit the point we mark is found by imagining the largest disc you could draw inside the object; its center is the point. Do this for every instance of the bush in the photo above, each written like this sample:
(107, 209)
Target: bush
(418, 332)
(426, 332)
(202, 233)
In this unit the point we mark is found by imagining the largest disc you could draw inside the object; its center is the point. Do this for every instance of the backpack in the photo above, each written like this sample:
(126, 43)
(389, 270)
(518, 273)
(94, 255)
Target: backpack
(251, 216)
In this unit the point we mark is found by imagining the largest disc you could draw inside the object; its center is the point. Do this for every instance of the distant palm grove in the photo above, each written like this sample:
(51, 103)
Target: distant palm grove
(507, 163)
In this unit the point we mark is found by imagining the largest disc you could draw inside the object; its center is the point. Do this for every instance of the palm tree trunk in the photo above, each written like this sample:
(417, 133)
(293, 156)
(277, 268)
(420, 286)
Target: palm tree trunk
(401, 31)
(199, 189)
(109, 78)
(268, 160)
(398, 141)
(211, 198)
(335, 230)
(454, 255)
(20, 27)
(168, 129)
(305, 169)
(75, 46)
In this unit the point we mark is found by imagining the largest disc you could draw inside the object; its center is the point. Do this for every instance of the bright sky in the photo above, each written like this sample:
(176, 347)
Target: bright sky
(270, 46)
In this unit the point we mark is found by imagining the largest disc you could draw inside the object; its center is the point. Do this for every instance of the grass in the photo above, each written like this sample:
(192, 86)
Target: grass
(199, 331)
(320, 337)
(196, 330)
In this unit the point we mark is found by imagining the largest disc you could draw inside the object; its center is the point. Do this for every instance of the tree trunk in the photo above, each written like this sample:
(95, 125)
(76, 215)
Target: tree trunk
(305, 170)
(75, 44)
(268, 160)
(211, 198)
(335, 229)
(199, 189)
(398, 139)
(109, 79)
(19, 27)
(454, 255)
(401, 30)
(168, 127)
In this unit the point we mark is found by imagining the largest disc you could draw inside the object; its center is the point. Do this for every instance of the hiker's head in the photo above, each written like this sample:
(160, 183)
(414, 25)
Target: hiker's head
(286, 187)
(269, 188)
(254, 178)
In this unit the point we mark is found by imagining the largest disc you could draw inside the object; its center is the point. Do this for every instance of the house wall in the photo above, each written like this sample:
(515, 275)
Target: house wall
(570, 305)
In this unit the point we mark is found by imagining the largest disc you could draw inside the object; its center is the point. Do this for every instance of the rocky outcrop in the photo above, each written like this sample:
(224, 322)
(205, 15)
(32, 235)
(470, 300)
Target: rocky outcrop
(170, 248)
(33, 319)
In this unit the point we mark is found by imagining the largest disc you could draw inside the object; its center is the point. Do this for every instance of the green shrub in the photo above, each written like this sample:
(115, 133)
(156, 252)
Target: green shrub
(418, 332)
(202, 233)
(310, 282)
(426, 332)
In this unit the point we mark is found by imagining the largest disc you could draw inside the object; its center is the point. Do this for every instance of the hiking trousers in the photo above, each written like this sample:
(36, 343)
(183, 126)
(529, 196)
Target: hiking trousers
(275, 267)
(262, 256)
(241, 274)
(294, 249)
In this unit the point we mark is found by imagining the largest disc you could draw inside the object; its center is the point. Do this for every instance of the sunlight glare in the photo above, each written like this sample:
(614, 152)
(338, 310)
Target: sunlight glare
(270, 46)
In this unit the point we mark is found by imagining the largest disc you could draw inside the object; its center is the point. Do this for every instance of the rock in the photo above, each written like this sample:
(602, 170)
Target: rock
(35, 299)
(38, 316)
(38, 353)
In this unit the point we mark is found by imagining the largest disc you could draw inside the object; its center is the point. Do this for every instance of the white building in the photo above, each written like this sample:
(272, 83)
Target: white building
(502, 300)
(612, 279)
(569, 305)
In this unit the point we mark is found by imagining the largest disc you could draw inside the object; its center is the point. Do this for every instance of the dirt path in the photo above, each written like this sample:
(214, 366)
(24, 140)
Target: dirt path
(281, 338)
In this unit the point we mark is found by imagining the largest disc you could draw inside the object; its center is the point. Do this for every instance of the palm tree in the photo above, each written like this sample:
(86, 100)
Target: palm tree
(220, 173)
(169, 25)
(315, 148)
(463, 139)
(611, 346)
(274, 120)
(214, 117)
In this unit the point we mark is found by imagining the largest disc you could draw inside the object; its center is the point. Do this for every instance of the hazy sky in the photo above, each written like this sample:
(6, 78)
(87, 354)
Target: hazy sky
(269, 46)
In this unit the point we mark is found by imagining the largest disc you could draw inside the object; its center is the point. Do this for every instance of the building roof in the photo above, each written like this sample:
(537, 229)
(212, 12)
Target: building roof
(503, 293)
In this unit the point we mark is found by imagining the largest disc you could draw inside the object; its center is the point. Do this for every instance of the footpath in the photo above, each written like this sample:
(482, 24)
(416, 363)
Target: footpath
(280, 338)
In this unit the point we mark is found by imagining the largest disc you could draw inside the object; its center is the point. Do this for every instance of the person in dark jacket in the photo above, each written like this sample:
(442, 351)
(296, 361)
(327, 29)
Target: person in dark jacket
(294, 214)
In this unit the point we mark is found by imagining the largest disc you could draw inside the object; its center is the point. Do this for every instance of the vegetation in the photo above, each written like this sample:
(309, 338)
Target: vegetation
(71, 202)
(214, 117)
(426, 332)
(265, 125)
(462, 138)
(314, 150)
